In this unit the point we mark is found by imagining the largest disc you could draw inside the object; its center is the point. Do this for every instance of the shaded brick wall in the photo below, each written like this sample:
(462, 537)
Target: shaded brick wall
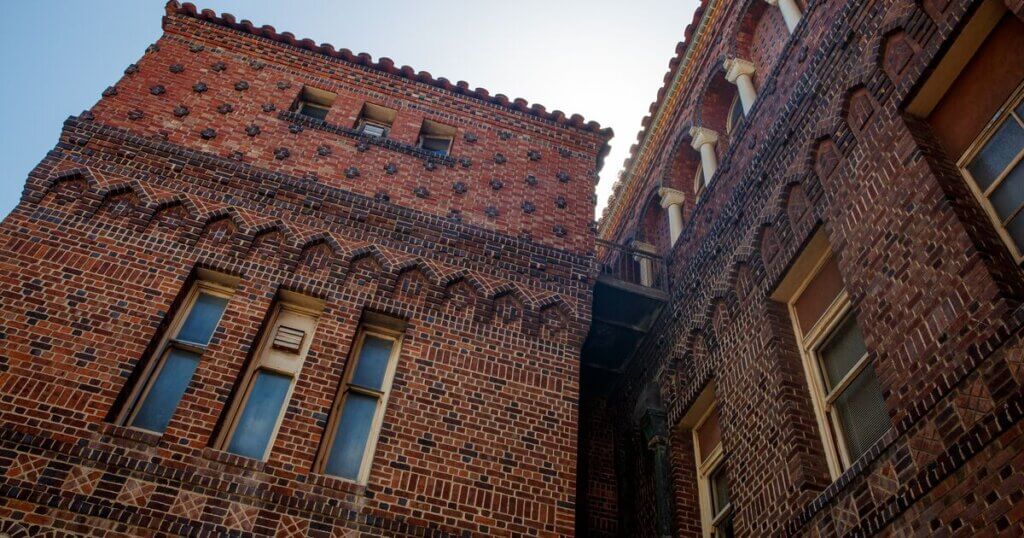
(480, 432)
(934, 290)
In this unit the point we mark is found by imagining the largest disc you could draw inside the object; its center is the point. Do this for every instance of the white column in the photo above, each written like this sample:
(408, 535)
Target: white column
(646, 266)
(790, 12)
(704, 141)
(672, 200)
(740, 72)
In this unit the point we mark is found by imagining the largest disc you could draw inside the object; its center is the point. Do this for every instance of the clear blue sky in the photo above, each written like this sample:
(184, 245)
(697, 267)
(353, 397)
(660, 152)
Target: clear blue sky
(604, 59)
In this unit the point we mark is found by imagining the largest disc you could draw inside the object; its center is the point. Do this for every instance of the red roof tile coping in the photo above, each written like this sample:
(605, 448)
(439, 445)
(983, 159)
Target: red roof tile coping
(387, 65)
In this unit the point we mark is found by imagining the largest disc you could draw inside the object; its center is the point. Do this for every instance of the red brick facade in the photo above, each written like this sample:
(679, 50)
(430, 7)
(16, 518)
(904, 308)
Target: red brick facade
(833, 145)
(194, 162)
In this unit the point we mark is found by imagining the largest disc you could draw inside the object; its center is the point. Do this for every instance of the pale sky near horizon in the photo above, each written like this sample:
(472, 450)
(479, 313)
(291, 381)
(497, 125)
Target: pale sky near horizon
(603, 59)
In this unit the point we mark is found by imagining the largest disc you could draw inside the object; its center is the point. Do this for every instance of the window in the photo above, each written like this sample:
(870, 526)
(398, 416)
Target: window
(735, 114)
(698, 181)
(167, 377)
(259, 407)
(847, 397)
(375, 120)
(994, 171)
(436, 138)
(314, 103)
(716, 511)
(355, 423)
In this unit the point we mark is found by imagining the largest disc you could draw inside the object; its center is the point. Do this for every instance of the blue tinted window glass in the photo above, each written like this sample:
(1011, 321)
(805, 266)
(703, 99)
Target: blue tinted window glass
(202, 319)
(253, 431)
(1009, 195)
(156, 409)
(373, 362)
(350, 438)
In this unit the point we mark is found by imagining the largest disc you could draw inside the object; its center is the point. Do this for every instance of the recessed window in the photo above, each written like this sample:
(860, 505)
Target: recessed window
(314, 103)
(845, 391)
(168, 376)
(375, 120)
(259, 408)
(713, 490)
(436, 138)
(995, 173)
(356, 419)
(735, 114)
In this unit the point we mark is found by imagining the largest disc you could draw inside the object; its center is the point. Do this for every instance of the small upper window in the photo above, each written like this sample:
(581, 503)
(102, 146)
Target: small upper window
(314, 103)
(735, 114)
(993, 164)
(436, 138)
(375, 120)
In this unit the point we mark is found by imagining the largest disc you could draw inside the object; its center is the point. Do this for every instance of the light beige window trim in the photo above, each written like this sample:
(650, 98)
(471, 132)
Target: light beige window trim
(730, 124)
(836, 453)
(266, 359)
(167, 344)
(707, 464)
(396, 336)
(1006, 113)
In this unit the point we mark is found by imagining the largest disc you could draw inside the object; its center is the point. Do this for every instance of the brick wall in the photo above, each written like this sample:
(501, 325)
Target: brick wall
(480, 432)
(934, 290)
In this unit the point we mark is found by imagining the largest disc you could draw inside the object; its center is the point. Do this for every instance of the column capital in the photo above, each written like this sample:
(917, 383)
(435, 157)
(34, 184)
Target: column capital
(646, 248)
(671, 197)
(772, 2)
(736, 67)
(702, 135)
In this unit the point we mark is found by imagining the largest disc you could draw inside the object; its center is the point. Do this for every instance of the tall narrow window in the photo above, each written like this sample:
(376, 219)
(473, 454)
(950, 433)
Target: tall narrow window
(356, 419)
(846, 393)
(698, 182)
(704, 424)
(436, 138)
(259, 408)
(996, 175)
(735, 114)
(375, 120)
(314, 103)
(167, 377)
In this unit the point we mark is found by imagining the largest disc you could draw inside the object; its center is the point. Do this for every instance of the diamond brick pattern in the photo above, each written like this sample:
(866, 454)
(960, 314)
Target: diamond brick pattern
(292, 527)
(188, 505)
(26, 467)
(135, 492)
(82, 480)
(241, 517)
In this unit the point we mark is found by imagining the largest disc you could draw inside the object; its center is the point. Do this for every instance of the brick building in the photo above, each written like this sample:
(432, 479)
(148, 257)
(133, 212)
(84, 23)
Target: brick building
(268, 287)
(819, 238)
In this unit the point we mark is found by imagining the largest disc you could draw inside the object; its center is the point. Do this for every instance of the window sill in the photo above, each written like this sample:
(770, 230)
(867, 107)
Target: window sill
(234, 460)
(130, 434)
(342, 485)
(384, 142)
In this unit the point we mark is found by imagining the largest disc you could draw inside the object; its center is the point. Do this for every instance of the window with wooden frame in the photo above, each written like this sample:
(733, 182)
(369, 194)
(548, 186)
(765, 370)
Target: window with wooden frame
(167, 375)
(735, 114)
(698, 181)
(973, 100)
(436, 138)
(704, 425)
(314, 102)
(845, 391)
(375, 120)
(260, 402)
(995, 173)
(354, 426)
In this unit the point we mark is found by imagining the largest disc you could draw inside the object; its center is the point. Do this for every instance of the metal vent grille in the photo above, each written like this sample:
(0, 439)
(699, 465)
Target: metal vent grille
(289, 339)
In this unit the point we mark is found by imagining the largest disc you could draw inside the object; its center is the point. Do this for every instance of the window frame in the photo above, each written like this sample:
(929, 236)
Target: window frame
(837, 452)
(257, 365)
(167, 344)
(303, 104)
(707, 465)
(378, 330)
(1006, 113)
(424, 137)
(731, 125)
